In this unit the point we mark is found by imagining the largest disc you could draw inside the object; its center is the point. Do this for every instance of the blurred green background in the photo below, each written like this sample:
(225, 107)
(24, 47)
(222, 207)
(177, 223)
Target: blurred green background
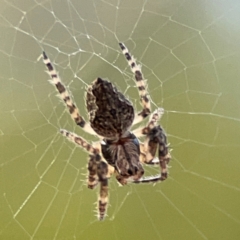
(190, 56)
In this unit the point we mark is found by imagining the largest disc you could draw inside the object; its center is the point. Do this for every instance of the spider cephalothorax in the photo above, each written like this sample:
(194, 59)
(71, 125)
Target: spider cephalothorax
(111, 116)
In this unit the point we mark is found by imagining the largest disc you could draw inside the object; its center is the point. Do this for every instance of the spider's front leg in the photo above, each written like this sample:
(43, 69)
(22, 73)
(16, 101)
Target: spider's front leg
(65, 96)
(140, 82)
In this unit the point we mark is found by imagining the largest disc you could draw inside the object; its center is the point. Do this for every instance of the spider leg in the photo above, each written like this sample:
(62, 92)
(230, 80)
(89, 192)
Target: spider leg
(102, 171)
(99, 170)
(80, 141)
(65, 96)
(148, 152)
(136, 69)
(92, 166)
(153, 121)
(155, 139)
(121, 179)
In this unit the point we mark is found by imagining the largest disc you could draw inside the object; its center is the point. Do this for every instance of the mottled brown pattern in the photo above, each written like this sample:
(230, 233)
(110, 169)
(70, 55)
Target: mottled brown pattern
(110, 113)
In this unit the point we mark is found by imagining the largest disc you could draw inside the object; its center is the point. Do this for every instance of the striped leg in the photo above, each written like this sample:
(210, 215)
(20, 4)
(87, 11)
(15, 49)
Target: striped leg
(136, 69)
(92, 166)
(65, 96)
(153, 121)
(99, 171)
(148, 151)
(103, 196)
(155, 139)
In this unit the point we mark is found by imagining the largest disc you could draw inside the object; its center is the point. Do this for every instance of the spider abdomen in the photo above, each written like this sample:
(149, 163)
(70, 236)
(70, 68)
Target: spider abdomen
(110, 113)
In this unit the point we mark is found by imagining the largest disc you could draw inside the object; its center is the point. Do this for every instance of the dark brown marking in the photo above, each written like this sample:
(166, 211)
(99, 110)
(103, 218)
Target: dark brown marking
(141, 88)
(138, 75)
(122, 46)
(49, 66)
(145, 112)
(60, 87)
(81, 123)
(67, 98)
(145, 98)
(71, 108)
(128, 57)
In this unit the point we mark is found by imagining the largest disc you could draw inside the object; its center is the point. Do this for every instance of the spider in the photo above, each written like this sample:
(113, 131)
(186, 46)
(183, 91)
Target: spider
(111, 116)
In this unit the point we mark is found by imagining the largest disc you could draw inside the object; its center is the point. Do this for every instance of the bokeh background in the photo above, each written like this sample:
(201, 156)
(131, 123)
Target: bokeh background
(190, 56)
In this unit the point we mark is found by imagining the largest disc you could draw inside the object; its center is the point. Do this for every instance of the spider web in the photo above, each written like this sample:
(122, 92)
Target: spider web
(189, 52)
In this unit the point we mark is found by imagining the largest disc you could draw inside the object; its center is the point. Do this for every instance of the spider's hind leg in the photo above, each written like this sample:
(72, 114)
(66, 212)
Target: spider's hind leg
(99, 171)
